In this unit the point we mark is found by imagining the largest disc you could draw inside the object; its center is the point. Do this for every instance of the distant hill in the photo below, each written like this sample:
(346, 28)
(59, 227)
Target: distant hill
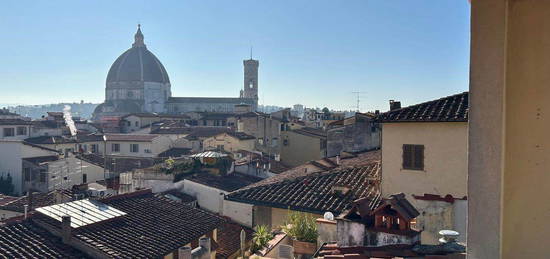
(83, 110)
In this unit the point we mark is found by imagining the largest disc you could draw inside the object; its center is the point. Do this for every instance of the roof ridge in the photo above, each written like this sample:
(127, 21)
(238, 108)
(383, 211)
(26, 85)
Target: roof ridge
(418, 104)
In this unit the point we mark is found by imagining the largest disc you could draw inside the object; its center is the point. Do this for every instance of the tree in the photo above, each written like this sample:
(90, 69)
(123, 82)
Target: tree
(6, 185)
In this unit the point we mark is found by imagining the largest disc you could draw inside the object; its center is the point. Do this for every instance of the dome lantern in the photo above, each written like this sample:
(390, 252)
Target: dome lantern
(138, 38)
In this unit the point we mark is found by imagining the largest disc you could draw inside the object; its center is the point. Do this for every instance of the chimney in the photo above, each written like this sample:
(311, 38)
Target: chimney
(58, 197)
(184, 252)
(394, 105)
(204, 244)
(26, 207)
(66, 229)
(338, 159)
(29, 199)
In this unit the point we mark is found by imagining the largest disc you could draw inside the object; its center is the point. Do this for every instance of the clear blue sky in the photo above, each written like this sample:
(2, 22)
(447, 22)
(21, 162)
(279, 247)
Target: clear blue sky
(311, 52)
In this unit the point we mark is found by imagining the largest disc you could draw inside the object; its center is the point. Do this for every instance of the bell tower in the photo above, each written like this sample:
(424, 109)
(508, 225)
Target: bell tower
(250, 89)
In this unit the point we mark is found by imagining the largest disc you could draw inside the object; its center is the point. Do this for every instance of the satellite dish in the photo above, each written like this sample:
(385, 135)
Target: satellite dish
(328, 216)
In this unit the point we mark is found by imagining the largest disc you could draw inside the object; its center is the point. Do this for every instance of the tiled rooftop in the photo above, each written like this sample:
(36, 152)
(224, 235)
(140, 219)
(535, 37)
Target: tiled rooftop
(130, 137)
(38, 200)
(315, 193)
(347, 159)
(240, 135)
(452, 108)
(14, 122)
(312, 132)
(26, 240)
(229, 239)
(228, 183)
(153, 227)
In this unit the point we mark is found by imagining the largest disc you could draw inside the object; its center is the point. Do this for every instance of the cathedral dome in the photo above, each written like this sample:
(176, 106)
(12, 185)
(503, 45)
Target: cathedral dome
(137, 65)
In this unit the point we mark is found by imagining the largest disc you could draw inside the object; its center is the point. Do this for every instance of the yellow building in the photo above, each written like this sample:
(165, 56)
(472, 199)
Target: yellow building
(230, 141)
(425, 156)
(303, 145)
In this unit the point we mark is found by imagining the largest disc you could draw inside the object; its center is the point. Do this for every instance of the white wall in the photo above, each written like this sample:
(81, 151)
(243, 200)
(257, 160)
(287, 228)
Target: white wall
(14, 127)
(238, 212)
(11, 154)
(208, 198)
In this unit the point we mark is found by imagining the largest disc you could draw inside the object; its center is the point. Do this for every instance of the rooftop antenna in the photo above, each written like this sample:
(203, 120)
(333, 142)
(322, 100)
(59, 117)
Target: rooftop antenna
(251, 52)
(358, 93)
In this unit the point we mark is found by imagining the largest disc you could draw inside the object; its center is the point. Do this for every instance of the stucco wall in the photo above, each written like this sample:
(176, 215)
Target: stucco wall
(238, 212)
(262, 128)
(445, 171)
(509, 180)
(208, 198)
(229, 143)
(445, 158)
(300, 148)
(11, 153)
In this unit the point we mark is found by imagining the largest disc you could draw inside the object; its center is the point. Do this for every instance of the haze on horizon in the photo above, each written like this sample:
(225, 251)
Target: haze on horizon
(312, 53)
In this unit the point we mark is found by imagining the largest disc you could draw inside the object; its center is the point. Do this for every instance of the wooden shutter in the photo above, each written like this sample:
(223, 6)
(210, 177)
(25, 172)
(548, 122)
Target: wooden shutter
(419, 157)
(407, 156)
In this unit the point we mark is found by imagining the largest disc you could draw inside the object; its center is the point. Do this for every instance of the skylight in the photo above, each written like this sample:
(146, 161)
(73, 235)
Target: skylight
(82, 212)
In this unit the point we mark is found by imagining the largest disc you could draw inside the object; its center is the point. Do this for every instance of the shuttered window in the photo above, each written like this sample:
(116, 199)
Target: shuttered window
(413, 157)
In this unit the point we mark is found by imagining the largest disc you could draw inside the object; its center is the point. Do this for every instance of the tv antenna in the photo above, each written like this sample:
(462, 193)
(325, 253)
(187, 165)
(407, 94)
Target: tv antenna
(358, 93)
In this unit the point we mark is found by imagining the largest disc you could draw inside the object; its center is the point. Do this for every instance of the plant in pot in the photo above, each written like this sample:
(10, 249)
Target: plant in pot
(260, 238)
(302, 228)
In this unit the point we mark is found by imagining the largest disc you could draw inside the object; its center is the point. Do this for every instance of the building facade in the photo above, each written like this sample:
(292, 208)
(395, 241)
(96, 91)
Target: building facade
(425, 156)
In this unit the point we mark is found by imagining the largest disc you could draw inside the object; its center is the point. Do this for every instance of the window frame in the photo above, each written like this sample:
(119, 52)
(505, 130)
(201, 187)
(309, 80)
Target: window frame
(9, 129)
(409, 157)
(23, 131)
(117, 149)
(132, 150)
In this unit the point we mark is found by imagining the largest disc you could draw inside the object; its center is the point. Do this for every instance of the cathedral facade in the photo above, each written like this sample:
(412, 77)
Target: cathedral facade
(138, 82)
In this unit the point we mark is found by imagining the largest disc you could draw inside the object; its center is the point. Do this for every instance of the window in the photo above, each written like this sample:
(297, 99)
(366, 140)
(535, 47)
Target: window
(84, 178)
(413, 157)
(43, 177)
(136, 123)
(21, 131)
(94, 148)
(9, 132)
(147, 151)
(134, 148)
(323, 144)
(115, 147)
(27, 174)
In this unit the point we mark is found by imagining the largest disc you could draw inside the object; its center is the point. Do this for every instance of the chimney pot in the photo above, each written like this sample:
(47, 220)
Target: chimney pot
(184, 252)
(66, 229)
(204, 243)
(394, 105)
(26, 207)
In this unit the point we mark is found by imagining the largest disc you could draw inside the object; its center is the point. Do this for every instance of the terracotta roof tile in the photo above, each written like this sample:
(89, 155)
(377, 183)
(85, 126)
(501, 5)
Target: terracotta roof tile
(229, 239)
(153, 226)
(447, 109)
(26, 240)
(315, 193)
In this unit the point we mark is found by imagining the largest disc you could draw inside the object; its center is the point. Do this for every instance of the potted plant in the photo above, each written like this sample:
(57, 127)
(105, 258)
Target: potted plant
(302, 228)
(260, 238)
